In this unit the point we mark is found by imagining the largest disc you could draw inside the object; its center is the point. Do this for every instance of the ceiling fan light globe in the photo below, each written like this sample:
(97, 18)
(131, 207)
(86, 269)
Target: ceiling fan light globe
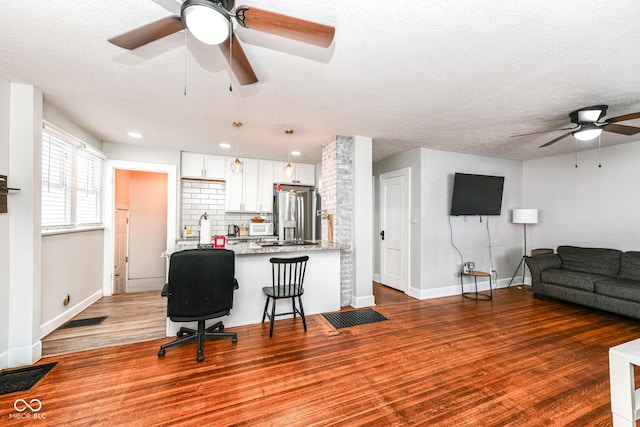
(589, 116)
(205, 21)
(587, 134)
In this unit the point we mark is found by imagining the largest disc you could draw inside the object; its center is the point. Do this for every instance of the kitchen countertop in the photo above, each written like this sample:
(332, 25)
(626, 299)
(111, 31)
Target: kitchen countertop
(250, 247)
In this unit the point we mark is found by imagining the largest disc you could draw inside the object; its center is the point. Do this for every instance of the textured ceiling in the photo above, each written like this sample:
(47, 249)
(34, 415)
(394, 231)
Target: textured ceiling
(459, 76)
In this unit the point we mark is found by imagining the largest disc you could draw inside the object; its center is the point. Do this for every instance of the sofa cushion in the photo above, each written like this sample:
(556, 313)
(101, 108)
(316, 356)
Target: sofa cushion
(619, 288)
(630, 266)
(591, 260)
(571, 279)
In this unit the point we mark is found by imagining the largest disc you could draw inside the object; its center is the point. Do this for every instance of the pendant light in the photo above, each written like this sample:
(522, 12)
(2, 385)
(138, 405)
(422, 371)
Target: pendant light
(288, 170)
(237, 166)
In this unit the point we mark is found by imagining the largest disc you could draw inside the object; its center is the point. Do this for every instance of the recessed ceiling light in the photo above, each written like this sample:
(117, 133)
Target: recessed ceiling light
(225, 145)
(295, 153)
(135, 134)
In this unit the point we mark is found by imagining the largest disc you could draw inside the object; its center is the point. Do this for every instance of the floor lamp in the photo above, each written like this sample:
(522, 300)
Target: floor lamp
(524, 217)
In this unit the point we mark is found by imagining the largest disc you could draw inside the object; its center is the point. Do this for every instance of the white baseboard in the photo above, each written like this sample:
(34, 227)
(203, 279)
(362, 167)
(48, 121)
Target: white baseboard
(367, 301)
(4, 360)
(56, 322)
(147, 284)
(24, 356)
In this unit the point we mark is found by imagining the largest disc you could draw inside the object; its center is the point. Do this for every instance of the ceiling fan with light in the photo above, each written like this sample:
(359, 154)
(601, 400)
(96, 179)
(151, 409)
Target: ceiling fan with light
(588, 125)
(210, 21)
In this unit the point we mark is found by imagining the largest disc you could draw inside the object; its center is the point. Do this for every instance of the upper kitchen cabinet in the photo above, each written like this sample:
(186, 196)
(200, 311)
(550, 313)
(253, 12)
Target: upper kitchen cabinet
(251, 190)
(203, 166)
(304, 174)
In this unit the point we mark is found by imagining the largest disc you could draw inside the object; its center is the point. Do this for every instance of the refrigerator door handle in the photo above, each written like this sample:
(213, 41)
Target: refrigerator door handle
(301, 218)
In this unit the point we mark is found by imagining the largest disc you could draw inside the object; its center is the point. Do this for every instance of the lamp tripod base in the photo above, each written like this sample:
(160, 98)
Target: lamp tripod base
(523, 265)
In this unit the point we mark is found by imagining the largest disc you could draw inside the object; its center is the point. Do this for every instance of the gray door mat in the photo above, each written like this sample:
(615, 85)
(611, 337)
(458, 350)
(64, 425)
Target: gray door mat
(345, 319)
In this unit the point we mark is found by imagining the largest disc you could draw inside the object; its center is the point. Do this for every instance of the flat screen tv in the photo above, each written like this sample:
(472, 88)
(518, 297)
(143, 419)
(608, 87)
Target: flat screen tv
(476, 194)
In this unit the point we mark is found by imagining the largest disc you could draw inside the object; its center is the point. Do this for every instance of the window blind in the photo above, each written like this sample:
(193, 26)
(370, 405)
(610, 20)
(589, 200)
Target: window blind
(71, 182)
(89, 189)
(57, 171)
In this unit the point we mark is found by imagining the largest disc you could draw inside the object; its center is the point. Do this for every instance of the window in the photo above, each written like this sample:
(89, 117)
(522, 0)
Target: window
(71, 182)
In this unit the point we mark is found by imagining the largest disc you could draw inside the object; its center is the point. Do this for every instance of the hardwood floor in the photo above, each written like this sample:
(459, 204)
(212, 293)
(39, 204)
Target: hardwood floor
(131, 318)
(513, 361)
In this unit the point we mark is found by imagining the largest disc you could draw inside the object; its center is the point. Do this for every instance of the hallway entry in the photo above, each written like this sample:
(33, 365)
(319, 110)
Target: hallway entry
(140, 230)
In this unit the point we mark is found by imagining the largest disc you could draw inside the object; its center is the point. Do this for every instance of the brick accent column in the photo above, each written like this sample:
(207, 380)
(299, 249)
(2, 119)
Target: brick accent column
(337, 199)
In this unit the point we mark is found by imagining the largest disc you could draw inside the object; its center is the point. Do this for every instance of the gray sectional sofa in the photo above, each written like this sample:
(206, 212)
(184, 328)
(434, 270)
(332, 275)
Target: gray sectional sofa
(606, 279)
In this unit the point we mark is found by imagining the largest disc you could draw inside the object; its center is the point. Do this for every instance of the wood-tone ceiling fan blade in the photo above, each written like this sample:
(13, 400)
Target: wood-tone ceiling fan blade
(543, 131)
(285, 26)
(239, 63)
(622, 129)
(148, 33)
(624, 117)
(553, 141)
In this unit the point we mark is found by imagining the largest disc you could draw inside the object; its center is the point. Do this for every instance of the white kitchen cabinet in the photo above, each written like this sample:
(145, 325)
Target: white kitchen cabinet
(251, 190)
(203, 166)
(265, 195)
(303, 174)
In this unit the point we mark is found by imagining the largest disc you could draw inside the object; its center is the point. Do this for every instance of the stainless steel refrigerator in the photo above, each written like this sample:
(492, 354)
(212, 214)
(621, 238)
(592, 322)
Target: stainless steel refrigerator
(294, 213)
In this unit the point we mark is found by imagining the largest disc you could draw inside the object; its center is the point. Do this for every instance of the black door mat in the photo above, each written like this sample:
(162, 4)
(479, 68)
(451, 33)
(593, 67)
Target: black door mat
(23, 379)
(83, 322)
(345, 319)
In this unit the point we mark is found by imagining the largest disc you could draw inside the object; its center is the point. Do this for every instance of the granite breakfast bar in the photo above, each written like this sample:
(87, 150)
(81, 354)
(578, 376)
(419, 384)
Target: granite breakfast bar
(253, 271)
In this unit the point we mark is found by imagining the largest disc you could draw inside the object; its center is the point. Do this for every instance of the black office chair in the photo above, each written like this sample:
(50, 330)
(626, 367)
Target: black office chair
(200, 287)
(287, 277)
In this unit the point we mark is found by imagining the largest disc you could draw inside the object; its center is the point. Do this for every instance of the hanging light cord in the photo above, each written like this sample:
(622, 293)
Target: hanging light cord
(230, 55)
(185, 63)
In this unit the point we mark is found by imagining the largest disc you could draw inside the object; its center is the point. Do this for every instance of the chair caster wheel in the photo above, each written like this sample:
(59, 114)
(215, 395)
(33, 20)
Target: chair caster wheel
(180, 333)
(221, 327)
(161, 353)
(234, 340)
(200, 358)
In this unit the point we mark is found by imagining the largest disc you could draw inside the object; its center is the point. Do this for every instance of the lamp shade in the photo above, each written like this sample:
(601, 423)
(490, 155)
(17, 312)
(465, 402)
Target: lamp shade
(525, 216)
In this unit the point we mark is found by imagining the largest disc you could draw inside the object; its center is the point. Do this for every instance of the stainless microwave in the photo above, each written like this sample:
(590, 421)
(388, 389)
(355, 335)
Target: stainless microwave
(261, 229)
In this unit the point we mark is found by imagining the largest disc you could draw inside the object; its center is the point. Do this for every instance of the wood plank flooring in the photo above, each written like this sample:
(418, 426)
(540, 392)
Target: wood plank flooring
(131, 318)
(513, 361)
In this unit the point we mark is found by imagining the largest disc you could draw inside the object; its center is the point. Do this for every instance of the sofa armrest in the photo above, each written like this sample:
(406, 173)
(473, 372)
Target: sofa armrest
(539, 263)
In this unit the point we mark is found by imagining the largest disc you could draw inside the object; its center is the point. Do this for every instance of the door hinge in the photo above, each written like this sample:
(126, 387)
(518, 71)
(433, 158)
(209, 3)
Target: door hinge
(126, 259)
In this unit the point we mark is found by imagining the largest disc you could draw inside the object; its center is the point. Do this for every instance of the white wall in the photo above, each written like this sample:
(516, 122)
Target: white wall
(435, 263)
(71, 262)
(5, 90)
(71, 266)
(25, 251)
(587, 205)
(500, 243)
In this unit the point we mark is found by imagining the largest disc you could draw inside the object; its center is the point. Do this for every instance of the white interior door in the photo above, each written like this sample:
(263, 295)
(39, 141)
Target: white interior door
(120, 253)
(394, 219)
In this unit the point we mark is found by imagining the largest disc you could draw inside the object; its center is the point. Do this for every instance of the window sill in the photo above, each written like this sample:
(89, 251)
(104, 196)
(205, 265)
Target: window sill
(53, 232)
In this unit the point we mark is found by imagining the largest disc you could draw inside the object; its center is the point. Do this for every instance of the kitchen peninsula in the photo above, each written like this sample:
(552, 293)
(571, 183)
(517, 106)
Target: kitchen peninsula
(253, 272)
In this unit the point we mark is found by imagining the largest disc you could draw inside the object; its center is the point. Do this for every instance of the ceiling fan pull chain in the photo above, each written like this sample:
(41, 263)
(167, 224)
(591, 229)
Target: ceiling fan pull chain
(230, 56)
(576, 151)
(599, 156)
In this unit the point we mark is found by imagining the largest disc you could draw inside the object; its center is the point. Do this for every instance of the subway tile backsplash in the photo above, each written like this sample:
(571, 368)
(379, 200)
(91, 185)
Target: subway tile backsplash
(200, 196)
